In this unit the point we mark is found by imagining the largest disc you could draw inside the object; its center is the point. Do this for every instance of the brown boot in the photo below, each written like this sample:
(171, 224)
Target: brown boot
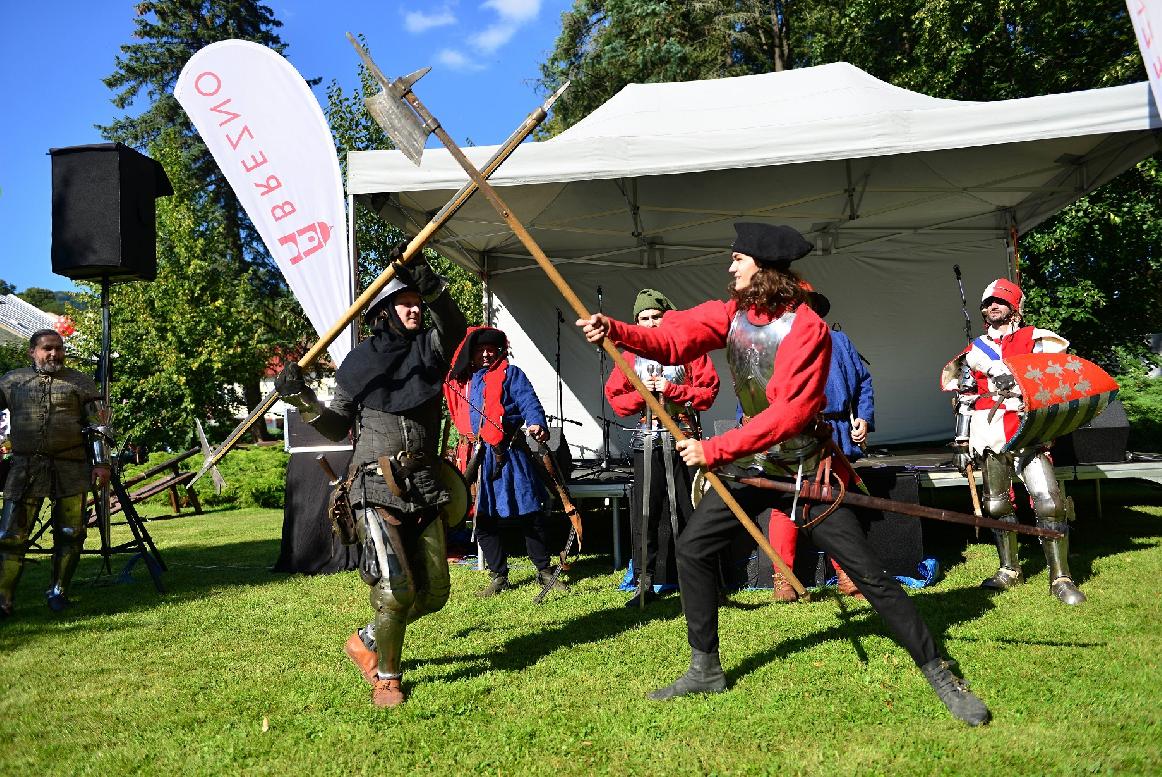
(783, 591)
(387, 693)
(846, 586)
(365, 660)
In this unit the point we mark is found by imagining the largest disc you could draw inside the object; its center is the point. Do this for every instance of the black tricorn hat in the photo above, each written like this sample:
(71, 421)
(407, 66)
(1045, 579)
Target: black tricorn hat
(769, 244)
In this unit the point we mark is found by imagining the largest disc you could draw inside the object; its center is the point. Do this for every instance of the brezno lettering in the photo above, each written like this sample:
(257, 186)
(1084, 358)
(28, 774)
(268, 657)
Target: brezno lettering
(280, 212)
(244, 133)
(215, 84)
(270, 184)
(221, 108)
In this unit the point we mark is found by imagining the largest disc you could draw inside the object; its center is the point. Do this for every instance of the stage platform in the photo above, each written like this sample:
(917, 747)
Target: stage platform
(932, 468)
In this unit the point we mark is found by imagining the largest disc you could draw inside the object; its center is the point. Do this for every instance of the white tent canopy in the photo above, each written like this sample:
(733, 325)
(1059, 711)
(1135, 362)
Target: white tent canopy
(893, 187)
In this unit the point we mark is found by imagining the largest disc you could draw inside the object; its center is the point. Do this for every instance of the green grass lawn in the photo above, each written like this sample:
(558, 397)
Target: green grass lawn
(238, 670)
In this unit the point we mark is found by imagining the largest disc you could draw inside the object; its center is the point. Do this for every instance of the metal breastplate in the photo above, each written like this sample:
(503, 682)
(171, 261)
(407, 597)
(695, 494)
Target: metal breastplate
(750, 350)
(648, 368)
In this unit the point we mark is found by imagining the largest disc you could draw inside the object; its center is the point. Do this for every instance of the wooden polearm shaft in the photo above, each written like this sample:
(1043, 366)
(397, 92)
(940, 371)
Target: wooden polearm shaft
(531, 122)
(814, 493)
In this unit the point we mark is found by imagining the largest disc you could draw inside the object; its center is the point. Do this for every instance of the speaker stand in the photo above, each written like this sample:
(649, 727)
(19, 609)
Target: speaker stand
(141, 546)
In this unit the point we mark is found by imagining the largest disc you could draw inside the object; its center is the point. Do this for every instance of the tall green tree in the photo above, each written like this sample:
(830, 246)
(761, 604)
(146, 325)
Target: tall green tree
(606, 44)
(168, 33)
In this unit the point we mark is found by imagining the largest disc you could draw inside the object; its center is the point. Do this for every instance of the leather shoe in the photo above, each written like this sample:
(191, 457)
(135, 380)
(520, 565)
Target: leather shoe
(847, 586)
(387, 692)
(783, 591)
(366, 661)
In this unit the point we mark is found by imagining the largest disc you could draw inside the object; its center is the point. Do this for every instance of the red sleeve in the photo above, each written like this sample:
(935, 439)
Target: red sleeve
(683, 336)
(700, 388)
(795, 393)
(622, 396)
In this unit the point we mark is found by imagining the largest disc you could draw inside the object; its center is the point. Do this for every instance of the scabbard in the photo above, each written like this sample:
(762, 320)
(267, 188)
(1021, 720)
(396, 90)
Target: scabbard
(825, 493)
(552, 476)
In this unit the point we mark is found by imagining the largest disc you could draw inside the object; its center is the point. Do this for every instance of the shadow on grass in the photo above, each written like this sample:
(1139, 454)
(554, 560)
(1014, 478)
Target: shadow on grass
(194, 572)
(942, 610)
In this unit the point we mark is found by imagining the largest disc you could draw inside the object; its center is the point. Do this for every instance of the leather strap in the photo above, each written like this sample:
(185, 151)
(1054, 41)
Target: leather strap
(389, 475)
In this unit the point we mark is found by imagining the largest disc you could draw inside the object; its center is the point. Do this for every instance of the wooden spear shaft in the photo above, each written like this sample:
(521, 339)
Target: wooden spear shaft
(579, 308)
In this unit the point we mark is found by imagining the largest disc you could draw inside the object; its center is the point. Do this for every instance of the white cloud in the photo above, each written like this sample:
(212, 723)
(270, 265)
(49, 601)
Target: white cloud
(513, 14)
(418, 21)
(493, 37)
(456, 60)
(518, 11)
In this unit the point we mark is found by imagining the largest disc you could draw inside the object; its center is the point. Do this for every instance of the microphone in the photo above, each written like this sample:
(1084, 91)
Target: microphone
(560, 316)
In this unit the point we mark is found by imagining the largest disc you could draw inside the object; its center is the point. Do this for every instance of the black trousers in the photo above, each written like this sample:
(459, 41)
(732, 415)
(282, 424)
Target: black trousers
(658, 558)
(713, 527)
(488, 528)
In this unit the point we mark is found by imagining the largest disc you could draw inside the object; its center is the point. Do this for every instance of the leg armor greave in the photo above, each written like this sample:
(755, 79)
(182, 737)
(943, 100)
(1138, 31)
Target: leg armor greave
(998, 479)
(68, 539)
(1053, 514)
(15, 521)
(384, 568)
(434, 583)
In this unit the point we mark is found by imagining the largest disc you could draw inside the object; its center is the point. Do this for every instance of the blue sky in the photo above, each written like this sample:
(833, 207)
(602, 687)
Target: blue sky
(484, 56)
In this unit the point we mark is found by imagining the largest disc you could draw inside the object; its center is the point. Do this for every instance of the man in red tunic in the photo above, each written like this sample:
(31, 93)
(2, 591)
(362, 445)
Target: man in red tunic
(779, 351)
(661, 494)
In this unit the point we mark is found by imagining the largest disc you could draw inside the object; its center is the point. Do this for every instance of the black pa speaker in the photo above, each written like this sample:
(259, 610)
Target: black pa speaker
(1102, 441)
(104, 220)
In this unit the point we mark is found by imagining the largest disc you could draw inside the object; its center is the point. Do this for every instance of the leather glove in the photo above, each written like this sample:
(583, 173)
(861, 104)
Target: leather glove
(292, 387)
(421, 277)
(1004, 382)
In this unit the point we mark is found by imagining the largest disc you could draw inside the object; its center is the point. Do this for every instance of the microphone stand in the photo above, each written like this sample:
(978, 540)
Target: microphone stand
(605, 458)
(560, 390)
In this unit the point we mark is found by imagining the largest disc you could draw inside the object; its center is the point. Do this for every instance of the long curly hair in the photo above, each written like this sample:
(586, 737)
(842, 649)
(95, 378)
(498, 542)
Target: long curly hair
(769, 288)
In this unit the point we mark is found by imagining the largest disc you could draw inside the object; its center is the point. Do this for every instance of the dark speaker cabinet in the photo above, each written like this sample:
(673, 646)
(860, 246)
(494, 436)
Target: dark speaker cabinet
(103, 212)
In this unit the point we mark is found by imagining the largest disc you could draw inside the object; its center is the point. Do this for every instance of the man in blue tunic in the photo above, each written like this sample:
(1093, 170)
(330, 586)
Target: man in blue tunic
(490, 400)
(850, 412)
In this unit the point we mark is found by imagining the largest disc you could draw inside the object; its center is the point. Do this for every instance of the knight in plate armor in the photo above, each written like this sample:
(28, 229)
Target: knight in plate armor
(662, 482)
(988, 407)
(60, 449)
(388, 390)
(779, 352)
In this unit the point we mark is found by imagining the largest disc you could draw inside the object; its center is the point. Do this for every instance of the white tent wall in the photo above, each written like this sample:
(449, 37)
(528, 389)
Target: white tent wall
(892, 187)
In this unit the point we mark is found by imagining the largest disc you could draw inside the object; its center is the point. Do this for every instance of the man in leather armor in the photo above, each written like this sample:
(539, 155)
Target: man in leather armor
(987, 414)
(388, 391)
(661, 494)
(779, 351)
(60, 449)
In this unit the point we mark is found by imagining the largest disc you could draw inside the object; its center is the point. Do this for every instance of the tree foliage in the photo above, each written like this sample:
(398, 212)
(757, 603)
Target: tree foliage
(6, 288)
(606, 44)
(1093, 270)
